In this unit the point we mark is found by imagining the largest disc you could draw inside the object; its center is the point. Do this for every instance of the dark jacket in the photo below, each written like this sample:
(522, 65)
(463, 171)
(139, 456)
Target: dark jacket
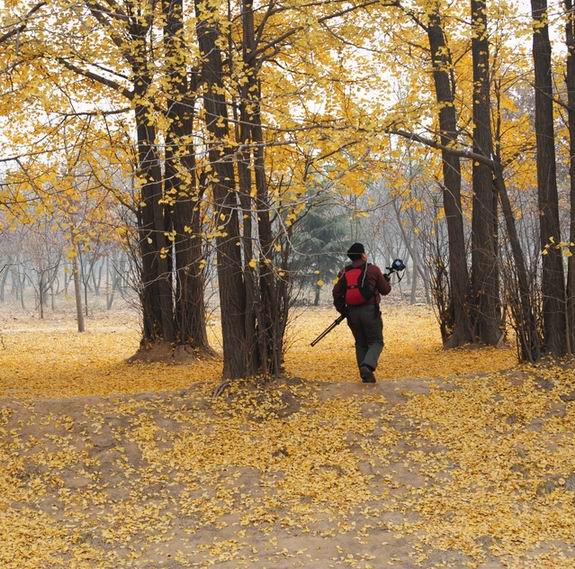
(374, 279)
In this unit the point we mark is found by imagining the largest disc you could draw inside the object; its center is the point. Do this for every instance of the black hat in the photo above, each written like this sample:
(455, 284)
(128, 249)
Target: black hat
(356, 251)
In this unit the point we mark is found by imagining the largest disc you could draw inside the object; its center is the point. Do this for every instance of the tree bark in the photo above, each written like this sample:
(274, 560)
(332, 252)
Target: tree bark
(3, 279)
(270, 326)
(21, 288)
(570, 81)
(156, 294)
(41, 293)
(108, 292)
(97, 281)
(222, 178)
(83, 279)
(484, 256)
(553, 284)
(460, 326)
(181, 184)
(529, 341)
(243, 134)
(527, 332)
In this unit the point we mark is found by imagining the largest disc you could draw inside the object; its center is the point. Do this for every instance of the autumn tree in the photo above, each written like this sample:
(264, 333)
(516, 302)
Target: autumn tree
(168, 218)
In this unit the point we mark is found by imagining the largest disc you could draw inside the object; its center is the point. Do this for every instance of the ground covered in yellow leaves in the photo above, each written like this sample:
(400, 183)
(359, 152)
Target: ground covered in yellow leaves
(467, 465)
(49, 359)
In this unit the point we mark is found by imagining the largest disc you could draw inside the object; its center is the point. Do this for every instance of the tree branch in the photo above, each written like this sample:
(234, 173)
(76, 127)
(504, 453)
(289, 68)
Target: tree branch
(5, 37)
(289, 33)
(98, 12)
(461, 152)
(95, 77)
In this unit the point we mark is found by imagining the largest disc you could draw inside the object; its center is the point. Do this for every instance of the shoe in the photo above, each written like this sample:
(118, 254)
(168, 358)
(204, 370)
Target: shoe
(366, 374)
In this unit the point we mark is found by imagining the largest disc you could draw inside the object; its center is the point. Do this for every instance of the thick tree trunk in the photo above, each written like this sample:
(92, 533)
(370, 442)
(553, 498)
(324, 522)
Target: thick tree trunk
(460, 326)
(484, 256)
(570, 81)
(553, 285)
(156, 278)
(222, 178)
(245, 181)
(246, 196)
(527, 332)
(181, 183)
(156, 293)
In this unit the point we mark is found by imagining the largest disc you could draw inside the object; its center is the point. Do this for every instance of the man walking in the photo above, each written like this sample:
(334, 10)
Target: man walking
(356, 295)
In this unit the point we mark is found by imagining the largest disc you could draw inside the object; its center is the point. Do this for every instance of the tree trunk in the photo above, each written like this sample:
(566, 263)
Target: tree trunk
(108, 291)
(570, 81)
(527, 332)
(22, 289)
(243, 133)
(41, 293)
(222, 178)
(553, 285)
(3, 279)
(84, 279)
(97, 281)
(52, 297)
(156, 293)
(245, 195)
(460, 327)
(271, 327)
(67, 279)
(413, 297)
(484, 256)
(78, 295)
(316, 296)
(181, 183)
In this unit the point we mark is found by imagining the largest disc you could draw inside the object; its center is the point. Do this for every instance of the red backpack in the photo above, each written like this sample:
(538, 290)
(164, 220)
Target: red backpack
(356, 290)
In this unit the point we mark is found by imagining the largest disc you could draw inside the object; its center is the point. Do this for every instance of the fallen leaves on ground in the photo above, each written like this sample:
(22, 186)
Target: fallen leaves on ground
(50, 359)
(464, 470)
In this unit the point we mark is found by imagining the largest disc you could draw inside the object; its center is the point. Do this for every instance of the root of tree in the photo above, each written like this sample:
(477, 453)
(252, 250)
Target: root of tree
(165, 352)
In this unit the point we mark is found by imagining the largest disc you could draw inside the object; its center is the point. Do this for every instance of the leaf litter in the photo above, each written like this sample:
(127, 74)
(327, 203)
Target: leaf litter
(450, 471)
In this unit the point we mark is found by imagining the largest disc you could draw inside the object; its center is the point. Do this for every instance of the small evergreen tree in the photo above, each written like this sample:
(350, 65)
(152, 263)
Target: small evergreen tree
(319, 248)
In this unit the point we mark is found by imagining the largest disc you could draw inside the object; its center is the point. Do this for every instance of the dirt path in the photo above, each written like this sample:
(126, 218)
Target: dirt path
(298, 474)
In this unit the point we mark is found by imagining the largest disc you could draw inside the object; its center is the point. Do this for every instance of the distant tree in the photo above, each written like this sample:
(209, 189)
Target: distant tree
(319, 247)
(43, 251)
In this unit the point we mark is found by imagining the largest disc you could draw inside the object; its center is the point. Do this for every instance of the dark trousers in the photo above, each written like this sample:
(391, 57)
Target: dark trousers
(367, 328)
